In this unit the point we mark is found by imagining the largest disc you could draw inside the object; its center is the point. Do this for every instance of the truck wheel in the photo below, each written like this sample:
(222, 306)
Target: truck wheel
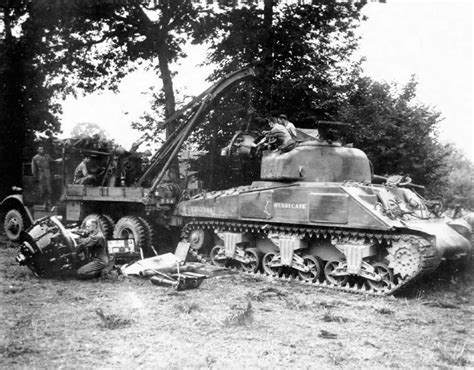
(111, 222)
(130, 227)
(105, 223)
(151, 251)
(14, 224)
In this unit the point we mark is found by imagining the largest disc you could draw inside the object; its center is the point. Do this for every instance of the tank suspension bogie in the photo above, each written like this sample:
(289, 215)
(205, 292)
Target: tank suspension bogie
(378, 263)
(252, 260)
(313, 267)
(336, 273)
(384, 278)
(217, 256)
(271, 263)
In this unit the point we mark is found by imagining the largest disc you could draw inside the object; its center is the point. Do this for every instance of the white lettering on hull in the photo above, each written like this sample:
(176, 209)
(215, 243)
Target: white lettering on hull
(290, 205)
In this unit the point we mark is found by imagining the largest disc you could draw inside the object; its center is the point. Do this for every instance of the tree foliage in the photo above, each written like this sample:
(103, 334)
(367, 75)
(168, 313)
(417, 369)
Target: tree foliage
(458, 183)
(398, 134)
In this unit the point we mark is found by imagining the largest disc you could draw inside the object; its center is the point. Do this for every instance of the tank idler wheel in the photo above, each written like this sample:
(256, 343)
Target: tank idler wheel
(253, 257)
(315, 268)
(14, 224)
(198, 239)
(267, 264)
(215, 256)
(382, 270)
(329, 269)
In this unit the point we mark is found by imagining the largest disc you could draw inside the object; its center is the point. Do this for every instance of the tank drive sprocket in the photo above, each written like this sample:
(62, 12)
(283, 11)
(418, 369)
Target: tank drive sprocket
(404, 257)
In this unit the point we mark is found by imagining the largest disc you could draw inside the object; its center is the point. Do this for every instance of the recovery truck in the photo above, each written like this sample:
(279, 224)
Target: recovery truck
(128, 201)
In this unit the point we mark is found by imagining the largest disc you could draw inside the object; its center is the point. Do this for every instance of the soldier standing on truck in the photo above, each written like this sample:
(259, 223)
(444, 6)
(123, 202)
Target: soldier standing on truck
(42, 174)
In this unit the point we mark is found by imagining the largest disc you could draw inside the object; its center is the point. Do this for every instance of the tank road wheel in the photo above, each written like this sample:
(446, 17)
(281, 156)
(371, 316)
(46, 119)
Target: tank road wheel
(315, 268)
(382, 270)
(13, 224)
(266, 264)
(105, 222)
(329, 269)
(130, 227)
(199, 239)
(215, 258)
(253, 257)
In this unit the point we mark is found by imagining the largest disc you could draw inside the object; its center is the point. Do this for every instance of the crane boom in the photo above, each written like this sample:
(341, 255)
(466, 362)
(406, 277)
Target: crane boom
(170, 149)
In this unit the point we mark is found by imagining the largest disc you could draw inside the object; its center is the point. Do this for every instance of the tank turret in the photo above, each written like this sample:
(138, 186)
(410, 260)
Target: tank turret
(316, 161)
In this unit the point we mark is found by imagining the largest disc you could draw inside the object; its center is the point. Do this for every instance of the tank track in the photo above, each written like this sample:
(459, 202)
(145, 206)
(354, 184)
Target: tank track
(428, 261)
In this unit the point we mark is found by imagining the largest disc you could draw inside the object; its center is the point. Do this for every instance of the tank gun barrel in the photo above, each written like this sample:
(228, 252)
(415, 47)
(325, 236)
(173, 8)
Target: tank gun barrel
(335, 124)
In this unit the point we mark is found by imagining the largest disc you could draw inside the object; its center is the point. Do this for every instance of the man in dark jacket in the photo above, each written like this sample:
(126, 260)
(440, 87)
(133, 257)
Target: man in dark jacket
(94, 247)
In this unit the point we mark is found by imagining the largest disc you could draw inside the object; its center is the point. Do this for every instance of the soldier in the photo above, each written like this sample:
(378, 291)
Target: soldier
(81, 174)
(94, 246)
(278, 137)
(283, 120)
(40, 167)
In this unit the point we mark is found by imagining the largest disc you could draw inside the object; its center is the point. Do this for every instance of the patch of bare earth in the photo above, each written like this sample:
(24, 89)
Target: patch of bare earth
(229, 322)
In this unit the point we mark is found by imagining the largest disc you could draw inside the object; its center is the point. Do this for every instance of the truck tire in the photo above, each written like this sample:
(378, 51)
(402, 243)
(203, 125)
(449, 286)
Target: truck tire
(13, 224)
(111, 222)
(150, 252)
(130, 227)
(105, 223)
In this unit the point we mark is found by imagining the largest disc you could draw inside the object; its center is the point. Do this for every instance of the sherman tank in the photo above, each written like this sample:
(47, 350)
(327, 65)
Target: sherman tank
(317, 215)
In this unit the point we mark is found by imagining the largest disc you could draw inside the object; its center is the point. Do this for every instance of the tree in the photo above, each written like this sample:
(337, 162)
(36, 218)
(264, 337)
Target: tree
(26, 103)
(398, 134)
(311, 62)
(79, 46)
(458, 183)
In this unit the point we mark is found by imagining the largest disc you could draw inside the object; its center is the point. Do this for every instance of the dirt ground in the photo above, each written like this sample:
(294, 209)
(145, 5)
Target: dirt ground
(232, 321)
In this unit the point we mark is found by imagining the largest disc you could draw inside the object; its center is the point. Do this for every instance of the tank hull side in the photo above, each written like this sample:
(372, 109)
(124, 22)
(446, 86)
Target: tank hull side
(315, 204)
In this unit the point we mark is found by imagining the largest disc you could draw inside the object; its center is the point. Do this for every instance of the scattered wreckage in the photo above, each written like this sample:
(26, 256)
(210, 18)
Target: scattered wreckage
(49, 249)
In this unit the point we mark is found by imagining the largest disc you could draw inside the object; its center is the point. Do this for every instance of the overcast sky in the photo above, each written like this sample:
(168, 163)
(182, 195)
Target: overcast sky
(428, 38)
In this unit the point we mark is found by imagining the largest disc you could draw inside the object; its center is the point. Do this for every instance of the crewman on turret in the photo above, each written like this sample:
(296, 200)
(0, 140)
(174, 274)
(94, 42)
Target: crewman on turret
(278, 137)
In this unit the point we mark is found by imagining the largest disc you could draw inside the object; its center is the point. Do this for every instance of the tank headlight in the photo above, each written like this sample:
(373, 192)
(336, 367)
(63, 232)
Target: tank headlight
(378, 207)
(413, 203)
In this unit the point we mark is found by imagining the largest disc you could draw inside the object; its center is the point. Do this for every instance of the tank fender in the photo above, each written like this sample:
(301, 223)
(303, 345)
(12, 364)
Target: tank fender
(462, 227)
(15, 201)
(447, 240)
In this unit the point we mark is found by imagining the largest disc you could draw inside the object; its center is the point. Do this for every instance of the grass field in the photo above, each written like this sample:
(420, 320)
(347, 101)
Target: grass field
(231, 321)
